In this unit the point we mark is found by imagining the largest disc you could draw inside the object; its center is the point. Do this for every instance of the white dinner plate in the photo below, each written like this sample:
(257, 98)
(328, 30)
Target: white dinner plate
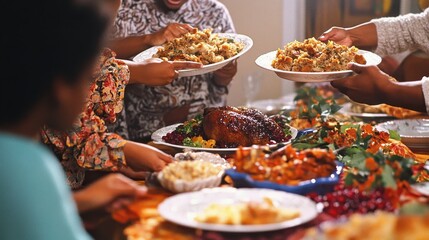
(265, 61)
(273, 106)
(347, 109)
(182, 208)
(158, 134)
(247, 41)
(414, 132)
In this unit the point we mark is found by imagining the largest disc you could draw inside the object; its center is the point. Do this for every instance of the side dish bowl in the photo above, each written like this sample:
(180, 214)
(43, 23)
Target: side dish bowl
(319, 185)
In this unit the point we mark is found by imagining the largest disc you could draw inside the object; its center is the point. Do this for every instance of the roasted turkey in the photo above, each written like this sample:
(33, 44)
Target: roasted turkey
(232, 127)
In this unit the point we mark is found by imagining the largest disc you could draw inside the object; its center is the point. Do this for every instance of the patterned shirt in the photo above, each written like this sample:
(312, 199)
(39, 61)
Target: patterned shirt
(146, 106)
(88, 144)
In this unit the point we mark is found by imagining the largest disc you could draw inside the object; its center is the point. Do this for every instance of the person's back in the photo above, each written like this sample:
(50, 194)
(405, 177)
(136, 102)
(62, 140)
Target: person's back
(35, 202)
(46, 57)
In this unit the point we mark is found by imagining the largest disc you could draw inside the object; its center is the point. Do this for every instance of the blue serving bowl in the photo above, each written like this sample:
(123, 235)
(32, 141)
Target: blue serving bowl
(319, 185)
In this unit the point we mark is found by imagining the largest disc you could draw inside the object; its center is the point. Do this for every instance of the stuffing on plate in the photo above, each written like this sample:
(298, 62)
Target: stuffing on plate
(199, 46)
(312, 55)
(190, 170)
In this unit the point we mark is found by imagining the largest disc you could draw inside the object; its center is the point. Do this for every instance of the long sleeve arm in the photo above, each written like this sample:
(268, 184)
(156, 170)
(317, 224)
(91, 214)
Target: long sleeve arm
(425, 88)
(88, 144)
(408, 32)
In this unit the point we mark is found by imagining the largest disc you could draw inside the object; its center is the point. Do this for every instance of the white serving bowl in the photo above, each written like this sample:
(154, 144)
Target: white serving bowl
(179, 186)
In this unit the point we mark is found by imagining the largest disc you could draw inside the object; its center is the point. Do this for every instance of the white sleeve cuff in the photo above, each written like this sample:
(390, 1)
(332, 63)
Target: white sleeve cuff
(425, 88)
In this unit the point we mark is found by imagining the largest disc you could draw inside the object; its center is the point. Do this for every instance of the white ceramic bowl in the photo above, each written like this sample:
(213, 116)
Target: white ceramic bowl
(203, 156)
(179, 186)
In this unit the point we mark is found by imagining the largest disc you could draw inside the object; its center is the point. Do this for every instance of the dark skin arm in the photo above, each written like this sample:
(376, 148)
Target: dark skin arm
(142, 157)
(155, 72)
(363, 36)
(130, 46)
(372, 86)
(108, 192)
(224, 76)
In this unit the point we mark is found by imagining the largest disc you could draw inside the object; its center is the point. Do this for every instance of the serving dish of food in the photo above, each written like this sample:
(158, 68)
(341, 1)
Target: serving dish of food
(213, 50)
(376, 111)
(215, 159)
(224, 129)
(301, 172)
(314, 61)
(187, 176)
(379, 225)
(363, 110)
(414, 132)
(238, 210)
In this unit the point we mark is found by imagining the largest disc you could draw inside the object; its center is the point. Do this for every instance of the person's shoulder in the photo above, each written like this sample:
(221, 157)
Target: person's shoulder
(214, 4)
(19, 153)
(425, 13)
(132, 4)
(16, 146)
(218, 5)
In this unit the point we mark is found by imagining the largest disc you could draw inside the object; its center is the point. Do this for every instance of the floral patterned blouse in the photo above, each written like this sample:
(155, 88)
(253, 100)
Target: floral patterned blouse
(88, 144)
(146, 106)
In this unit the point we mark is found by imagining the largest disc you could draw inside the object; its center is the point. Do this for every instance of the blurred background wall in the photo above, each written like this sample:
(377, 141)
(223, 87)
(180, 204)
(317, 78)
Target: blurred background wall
(263, 21)
(272, 23)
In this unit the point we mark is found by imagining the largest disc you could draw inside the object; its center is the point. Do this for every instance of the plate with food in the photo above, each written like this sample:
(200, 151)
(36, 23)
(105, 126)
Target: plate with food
(238, 210)
(363, 110)
(376, 111)
(213, 50)
(413, 132)
(315, 61)
(225, 129)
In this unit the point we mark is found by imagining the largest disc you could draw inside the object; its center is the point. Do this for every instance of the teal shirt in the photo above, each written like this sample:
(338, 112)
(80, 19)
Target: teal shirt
(35, 202)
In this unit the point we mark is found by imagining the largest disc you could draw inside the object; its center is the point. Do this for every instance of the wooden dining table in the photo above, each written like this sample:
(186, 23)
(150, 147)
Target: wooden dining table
(106, 226)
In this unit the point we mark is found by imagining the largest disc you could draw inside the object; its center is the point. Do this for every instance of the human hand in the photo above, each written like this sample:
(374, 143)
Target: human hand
(141, 157)
(111, 192)
(172, 31)
(156, 72)
(135, 175)
(224, 75)
(369, 86)
(338, 35)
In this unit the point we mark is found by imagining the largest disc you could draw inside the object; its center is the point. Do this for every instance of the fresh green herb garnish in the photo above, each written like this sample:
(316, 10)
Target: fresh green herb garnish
(189, 143)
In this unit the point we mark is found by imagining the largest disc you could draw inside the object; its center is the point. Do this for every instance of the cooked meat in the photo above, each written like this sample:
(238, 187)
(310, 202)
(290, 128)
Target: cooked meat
(232, 127)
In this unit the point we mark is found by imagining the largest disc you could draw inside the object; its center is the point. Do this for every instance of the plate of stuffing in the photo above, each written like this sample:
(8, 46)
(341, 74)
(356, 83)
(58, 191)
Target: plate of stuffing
(238, 210)
(213, 50)
(314, 61)
(224, 129)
